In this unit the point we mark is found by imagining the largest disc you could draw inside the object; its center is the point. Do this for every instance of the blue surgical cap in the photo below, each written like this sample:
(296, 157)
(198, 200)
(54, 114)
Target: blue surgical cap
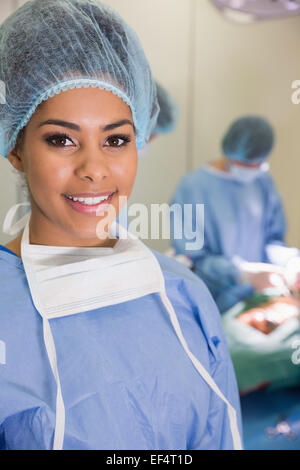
(49, 46)
(167, 117)
(249, 139)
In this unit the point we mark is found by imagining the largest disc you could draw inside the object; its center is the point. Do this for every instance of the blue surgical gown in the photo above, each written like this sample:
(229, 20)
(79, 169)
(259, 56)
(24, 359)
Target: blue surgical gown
(239, 220)
(127, 382)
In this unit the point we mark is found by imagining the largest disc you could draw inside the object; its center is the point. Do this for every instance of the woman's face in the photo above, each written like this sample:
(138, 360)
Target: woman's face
(81, 144)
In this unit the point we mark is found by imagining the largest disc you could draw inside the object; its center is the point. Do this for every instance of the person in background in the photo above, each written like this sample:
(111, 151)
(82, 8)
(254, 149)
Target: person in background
(244, 225)
(168, 115)
(166, 120)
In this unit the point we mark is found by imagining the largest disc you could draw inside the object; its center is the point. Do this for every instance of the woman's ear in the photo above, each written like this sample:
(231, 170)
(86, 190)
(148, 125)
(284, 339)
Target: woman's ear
(14, 158)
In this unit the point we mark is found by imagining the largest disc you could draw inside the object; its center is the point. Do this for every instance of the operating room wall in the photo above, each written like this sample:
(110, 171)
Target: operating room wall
(249, 69)
(216, 71)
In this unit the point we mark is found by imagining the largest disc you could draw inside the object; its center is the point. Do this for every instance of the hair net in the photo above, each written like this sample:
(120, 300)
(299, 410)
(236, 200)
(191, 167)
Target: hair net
(167, 117)
(248, 138)
(49, 46)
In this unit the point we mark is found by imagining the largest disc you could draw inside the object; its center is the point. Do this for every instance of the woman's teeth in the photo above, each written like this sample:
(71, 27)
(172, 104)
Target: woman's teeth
(89, 201)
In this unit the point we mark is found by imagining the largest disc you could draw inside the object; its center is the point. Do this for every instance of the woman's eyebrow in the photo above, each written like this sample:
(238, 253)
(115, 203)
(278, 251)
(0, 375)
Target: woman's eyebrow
(114, 125)
(71, 125)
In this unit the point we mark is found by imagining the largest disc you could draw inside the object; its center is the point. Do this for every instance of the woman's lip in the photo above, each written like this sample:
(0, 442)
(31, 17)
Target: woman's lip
(85, 195)
(92, 209)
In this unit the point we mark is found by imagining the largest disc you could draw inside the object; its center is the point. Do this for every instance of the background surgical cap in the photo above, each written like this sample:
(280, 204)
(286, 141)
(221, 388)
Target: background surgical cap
(248, 138)
(49, 46)
(167, 117)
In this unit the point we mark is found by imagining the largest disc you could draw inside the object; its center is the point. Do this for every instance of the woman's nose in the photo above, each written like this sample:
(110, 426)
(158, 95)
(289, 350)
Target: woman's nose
(93, 165)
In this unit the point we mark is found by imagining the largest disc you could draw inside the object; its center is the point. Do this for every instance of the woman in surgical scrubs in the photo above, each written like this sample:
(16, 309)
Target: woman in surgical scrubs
(103, 337)
(244, 222)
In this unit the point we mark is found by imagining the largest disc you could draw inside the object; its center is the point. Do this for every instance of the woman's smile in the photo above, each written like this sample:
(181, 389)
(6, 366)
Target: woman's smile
(90, 205)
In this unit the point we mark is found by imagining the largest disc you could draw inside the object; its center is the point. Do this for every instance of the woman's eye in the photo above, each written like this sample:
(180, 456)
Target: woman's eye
(59, 140)
(117, 141)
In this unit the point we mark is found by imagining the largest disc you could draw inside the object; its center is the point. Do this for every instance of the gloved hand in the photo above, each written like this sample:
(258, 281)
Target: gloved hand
(292, 274)
(260, 275)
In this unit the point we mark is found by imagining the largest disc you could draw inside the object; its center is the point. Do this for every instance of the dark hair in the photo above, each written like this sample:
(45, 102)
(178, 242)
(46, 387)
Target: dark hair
(20, 138)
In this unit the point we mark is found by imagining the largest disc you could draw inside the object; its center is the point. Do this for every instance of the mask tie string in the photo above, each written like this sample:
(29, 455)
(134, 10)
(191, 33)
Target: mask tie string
(12, 229)
(49, 345)
(237, 443)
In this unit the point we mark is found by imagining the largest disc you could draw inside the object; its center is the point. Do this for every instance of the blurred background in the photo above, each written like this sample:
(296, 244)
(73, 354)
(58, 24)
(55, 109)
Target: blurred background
(216, 70)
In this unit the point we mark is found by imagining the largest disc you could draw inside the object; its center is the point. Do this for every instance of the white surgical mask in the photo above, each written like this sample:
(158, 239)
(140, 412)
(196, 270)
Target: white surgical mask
(100, 277)
(245, 174)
